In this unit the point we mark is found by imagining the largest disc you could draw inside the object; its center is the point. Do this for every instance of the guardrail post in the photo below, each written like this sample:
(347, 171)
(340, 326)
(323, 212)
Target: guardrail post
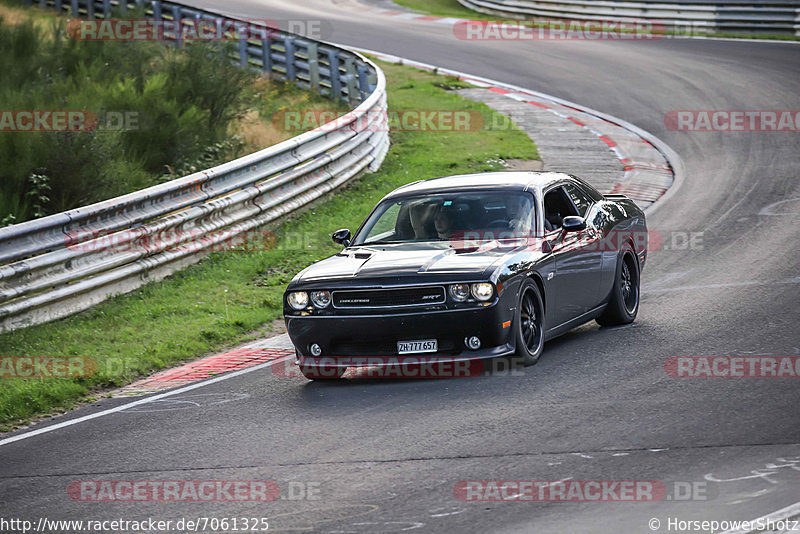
(350, 77)
(176, 19)
(106, 9)
(290, 59)
(266, 54)
(796, 21)
(90, 9)
(313, 66)
(218, 28)
(198, 20)
(42, 3)
(243, 53)
(336, 80)
(363, 80)
(75, 11)
(59, 5)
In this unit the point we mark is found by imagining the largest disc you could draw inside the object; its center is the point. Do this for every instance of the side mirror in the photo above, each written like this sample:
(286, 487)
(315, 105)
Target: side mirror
(572, 223)
(342, 237)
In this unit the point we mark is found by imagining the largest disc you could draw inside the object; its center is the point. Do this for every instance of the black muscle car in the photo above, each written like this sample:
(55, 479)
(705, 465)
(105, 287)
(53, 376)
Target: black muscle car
(466, 267)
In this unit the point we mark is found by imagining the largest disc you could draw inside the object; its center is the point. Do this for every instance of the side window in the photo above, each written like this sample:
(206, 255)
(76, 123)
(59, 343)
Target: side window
(557, 205)
(579, 198)
(390, 223)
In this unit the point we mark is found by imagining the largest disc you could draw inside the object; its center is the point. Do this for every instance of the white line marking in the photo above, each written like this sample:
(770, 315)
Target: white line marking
(190, 387)
(795, 280)
(770, 209)
(783, 513)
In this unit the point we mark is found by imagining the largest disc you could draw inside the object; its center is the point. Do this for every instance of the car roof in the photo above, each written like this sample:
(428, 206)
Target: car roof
(505, 180)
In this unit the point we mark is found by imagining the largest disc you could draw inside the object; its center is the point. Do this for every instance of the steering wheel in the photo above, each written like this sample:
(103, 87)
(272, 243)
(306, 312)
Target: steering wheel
(498, 223)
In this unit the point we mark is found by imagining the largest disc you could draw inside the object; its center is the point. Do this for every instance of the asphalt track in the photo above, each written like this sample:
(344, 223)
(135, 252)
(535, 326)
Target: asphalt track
(598, 406)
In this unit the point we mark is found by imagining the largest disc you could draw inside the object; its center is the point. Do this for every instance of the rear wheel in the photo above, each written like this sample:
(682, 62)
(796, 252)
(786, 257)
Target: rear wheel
(322, 372)
(529, 324)
(623, 305)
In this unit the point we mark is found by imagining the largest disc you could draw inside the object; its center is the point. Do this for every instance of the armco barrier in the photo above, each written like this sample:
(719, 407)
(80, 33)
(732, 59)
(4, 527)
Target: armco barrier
(57, 265)
(681, 16)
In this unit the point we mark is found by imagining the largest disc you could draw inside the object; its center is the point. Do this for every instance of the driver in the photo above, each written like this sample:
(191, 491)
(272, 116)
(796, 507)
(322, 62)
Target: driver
(443, 221)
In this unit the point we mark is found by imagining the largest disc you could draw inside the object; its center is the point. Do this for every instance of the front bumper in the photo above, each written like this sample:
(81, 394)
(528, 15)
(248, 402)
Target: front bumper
(350, 341)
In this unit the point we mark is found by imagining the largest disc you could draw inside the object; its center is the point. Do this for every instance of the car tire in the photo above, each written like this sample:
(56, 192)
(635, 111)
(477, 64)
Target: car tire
(623, 303)
(322, 372)
(529, 324)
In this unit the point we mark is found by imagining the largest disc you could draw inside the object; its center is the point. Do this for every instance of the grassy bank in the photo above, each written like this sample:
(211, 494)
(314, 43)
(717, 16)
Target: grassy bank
(232, 297)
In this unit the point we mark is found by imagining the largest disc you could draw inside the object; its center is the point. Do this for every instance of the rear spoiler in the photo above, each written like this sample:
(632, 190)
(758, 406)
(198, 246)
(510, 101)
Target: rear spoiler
(615, 196)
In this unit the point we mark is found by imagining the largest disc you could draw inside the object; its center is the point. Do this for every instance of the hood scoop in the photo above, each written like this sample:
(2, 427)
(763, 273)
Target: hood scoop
(355, 255)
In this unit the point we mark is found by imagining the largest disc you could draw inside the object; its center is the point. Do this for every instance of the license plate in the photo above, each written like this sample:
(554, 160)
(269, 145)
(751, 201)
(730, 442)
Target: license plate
(413, 347)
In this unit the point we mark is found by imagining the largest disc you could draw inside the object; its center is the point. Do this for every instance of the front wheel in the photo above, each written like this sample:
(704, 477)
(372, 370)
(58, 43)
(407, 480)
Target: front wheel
(529, 324)
(623, 305)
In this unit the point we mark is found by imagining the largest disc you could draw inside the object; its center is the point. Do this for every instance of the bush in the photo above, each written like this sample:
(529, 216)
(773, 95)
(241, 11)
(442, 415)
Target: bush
(183, 103)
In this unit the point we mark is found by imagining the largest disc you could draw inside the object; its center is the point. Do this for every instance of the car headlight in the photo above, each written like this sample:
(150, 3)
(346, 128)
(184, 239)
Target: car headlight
(458, 292)
(482, 291)
(321, 299)
(298, 299)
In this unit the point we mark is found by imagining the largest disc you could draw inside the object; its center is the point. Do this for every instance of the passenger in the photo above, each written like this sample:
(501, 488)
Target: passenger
(519, 214)
(421, 221)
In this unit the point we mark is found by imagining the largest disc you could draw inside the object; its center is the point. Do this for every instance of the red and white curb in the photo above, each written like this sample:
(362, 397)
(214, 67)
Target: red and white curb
(202, 369)
(651, 167)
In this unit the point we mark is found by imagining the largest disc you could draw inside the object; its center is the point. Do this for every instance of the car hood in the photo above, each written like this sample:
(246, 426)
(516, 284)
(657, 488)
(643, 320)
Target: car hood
(394, 261)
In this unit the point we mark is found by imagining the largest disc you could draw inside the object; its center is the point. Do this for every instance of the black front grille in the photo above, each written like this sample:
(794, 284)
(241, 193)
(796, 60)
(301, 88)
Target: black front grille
(385, 298)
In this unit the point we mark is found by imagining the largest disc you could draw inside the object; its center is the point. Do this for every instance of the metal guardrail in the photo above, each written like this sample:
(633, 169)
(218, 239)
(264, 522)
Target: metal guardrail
(61, 264)
(684, 16)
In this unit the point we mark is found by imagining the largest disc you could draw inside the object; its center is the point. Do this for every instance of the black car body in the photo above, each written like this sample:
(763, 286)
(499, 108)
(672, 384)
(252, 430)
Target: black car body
(544, 251)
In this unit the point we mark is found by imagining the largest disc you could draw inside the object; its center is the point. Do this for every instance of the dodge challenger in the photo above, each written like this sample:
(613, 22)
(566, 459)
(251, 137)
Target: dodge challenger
(469, 267)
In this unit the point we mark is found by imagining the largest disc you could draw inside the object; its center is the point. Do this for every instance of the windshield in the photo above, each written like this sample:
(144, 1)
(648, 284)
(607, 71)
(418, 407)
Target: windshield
(442, 217)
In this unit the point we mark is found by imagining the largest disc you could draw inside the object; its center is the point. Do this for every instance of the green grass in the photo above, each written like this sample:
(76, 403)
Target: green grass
(444, 8)
(451, 8)
(232, 297)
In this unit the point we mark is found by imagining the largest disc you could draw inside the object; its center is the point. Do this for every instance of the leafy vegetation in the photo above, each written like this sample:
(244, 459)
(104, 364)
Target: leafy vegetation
(155, 106)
